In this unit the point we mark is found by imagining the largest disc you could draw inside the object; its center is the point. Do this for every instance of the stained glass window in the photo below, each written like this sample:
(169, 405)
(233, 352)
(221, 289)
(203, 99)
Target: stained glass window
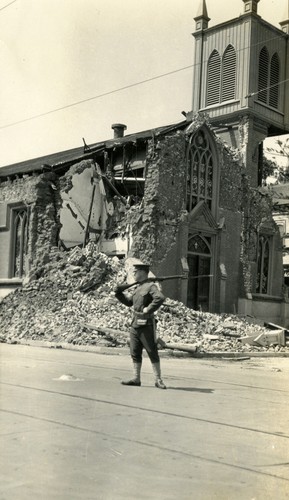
(20, 242)
(263, 262)
(198, 244)
(200, 171)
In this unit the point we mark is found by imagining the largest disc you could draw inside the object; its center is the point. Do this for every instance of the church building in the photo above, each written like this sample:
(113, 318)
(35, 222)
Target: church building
(185, 197)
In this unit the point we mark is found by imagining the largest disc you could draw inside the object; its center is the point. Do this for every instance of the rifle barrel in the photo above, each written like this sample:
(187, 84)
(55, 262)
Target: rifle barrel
(158, 278)
(164, 278)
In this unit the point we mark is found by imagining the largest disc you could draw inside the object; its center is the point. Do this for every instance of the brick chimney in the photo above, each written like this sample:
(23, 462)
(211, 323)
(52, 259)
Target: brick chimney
(118, 129)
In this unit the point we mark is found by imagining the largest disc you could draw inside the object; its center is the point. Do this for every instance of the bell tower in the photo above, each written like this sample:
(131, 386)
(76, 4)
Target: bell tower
(241, 72)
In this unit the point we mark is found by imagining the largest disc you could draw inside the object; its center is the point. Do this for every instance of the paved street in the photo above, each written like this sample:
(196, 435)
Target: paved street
(69, 430)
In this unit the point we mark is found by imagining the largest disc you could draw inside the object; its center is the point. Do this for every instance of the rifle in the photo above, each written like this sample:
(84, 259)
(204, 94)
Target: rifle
(125, 286)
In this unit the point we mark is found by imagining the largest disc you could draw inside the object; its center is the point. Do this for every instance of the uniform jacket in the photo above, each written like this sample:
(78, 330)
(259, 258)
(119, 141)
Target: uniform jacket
(145, 295)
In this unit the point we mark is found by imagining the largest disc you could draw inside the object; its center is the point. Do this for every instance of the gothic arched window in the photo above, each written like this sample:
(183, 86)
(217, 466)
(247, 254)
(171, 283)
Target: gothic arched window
(199, 244)
(199, 260)
(229, 74)
(274, 80)
(20, 242)
(200, 171)
(214, 78)
(263, 75)
(263, 263)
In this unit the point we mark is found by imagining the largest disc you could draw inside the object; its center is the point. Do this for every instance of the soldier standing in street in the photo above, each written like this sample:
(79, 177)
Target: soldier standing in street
(145, 300)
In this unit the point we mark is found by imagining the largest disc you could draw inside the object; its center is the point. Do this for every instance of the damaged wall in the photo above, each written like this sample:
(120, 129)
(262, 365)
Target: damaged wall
(81, 188)
(40, 194)
(257, 220)
(155, 225)
(230, 197)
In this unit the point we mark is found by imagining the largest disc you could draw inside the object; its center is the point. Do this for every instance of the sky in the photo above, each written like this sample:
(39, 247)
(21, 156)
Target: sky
(56, 53)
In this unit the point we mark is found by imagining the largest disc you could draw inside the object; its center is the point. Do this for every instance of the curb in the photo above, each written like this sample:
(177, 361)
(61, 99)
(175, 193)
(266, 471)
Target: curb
(226, 355)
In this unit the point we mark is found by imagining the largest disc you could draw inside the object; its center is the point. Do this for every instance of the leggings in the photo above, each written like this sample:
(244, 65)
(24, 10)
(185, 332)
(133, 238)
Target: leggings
(140, 338)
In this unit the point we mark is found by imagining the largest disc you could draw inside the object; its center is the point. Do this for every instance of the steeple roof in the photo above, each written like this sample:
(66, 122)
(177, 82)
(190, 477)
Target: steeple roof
(202, 11)
(285, 24)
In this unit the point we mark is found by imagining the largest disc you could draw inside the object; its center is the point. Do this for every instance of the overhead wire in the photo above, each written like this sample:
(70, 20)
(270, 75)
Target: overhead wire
(125, 87)
(94, 97)
(266, 88)
(7, 5)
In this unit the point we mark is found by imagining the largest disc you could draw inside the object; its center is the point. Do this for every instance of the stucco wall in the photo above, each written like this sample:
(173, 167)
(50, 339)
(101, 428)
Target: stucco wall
(230, 258)
(11, 192)
(266, 309)
(155, 226)
(40, 194)
(80, 189)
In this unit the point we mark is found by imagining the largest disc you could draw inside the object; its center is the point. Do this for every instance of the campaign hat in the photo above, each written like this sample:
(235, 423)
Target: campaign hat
(138, 264)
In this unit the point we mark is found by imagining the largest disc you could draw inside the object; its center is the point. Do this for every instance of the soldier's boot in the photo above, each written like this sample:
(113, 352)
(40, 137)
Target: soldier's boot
(158, 378)
(135, 381)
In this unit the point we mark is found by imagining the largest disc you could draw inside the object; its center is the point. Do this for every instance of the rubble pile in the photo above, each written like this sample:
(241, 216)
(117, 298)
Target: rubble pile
(71, 300)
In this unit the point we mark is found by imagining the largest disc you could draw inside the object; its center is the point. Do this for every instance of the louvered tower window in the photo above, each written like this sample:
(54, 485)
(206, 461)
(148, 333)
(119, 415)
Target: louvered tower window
(229, 74)
(274, 80)
(263, 75)
(214, 79)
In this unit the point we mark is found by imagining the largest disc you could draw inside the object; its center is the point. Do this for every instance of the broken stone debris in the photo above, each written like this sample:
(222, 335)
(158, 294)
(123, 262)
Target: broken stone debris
(70, 299)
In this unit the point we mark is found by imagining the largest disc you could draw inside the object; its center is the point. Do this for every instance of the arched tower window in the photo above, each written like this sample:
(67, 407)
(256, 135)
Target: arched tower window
(263, 75)
(214, 78)
(229, 74)
(274, 80)
(200, 171)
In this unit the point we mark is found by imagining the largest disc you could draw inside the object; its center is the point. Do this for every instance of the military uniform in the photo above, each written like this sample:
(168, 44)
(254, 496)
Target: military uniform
(142, 331)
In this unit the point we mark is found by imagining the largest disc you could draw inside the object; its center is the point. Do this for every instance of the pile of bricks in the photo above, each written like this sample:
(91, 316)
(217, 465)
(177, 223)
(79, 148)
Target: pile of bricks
(71, 300)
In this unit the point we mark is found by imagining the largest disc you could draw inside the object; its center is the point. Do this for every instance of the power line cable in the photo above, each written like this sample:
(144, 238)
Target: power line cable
(95, 97)
(5, 6)
(266, 88)
(131, 86)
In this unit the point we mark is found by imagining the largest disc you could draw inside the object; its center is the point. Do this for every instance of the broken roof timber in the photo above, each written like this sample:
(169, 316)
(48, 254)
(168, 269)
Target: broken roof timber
(70, 156)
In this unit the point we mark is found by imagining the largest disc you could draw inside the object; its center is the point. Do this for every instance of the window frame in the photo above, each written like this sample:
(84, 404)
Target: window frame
(219, 77)
(215, 174)
(274, 93)
(268, 78)
(226, 76)
(214, 78)
(15, 210)
(258, 286)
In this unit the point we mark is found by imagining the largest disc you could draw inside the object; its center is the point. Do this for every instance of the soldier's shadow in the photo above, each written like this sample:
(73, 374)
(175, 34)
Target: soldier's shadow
(191, 389)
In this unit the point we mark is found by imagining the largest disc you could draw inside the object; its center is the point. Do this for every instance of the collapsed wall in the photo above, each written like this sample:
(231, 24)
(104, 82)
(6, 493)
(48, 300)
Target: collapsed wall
(154, 228)
(73, 302)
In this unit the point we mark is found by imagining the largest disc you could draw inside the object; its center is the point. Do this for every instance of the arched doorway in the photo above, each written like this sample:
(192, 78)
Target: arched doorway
(199, 262)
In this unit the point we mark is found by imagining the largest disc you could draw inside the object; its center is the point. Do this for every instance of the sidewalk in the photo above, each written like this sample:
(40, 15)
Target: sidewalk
(119, 351)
